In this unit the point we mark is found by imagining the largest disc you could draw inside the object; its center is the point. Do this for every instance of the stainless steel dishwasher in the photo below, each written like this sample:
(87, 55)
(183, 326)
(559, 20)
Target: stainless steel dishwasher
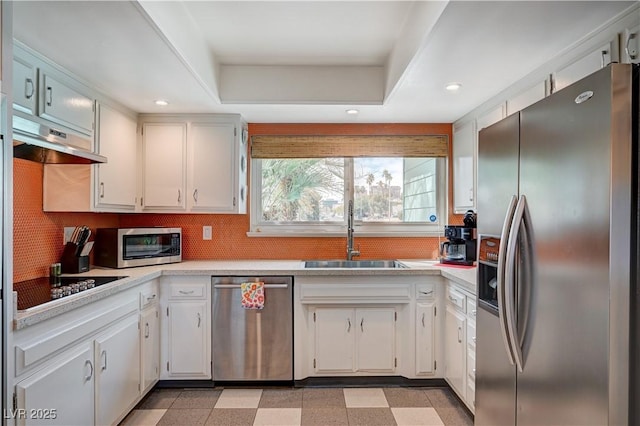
(252, 344)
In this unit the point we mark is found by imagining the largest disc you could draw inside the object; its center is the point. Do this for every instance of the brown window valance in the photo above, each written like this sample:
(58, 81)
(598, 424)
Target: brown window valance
(322, 146)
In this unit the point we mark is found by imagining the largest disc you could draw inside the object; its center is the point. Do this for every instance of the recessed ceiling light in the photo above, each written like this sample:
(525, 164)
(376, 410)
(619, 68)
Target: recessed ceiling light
(352, 111)
(162, 102)
(452, 87)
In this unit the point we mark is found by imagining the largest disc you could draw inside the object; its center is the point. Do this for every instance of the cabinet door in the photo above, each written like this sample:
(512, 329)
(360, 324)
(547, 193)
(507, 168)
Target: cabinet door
(425, 338)
(588, 64)
(334, 328)
(188, 339)
(375, 339)
(464, 142)
(631, 45)
(150, 347)
(63, 390)
(164, 147)
(61, 104)
(115, 183)
(527, 97)
(24, 86)
(212, 166)
(455, 341)
(117, 361)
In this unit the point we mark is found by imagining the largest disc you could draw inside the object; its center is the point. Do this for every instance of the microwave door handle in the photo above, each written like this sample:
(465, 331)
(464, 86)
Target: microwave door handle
(502, 312)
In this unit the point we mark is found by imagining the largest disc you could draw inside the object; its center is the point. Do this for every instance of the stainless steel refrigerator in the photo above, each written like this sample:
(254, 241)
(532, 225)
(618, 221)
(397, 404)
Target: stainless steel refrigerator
(558, 258)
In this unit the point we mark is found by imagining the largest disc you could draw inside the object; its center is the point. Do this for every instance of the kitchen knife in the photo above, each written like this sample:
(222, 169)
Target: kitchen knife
(86, 249)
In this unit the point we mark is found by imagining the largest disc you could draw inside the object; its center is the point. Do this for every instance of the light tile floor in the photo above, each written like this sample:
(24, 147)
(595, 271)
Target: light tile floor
(300, 406)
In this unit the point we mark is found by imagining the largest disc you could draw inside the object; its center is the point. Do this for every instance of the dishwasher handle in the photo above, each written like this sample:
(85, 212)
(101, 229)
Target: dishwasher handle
(238, 286)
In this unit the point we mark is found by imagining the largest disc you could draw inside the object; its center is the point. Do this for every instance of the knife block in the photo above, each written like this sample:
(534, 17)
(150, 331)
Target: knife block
(71, 261)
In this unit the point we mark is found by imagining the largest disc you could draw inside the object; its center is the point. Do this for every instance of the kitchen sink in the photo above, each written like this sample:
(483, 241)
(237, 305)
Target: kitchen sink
(354, 264)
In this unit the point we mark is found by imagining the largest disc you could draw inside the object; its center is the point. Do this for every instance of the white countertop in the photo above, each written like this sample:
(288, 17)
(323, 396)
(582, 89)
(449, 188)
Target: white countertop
(136, 276)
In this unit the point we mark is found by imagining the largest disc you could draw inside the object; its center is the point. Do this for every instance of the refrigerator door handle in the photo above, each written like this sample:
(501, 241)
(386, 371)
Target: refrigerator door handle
(504, 236)
(510, 283)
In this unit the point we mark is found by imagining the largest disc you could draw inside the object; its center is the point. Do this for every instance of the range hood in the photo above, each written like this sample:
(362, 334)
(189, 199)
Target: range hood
(38, 142)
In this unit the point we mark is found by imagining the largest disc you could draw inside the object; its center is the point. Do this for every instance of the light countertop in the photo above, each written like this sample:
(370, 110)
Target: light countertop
(135, 276)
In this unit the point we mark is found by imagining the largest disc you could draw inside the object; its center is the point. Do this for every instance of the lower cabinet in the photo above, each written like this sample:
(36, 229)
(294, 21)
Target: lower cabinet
(186, 351)
(425, 339)
(455, 357)
(354, 339)
(95, 382)
(150, 346)
(117, 370)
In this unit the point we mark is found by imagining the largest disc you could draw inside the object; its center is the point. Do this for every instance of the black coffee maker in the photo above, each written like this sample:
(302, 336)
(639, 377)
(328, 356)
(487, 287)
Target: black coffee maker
(460, 247)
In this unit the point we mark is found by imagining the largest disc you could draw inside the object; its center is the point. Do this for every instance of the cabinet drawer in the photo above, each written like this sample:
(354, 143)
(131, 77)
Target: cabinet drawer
(149, 297)
(471, 308)
(187, 291)
(471, 336)
(425, 291)
(456, 298)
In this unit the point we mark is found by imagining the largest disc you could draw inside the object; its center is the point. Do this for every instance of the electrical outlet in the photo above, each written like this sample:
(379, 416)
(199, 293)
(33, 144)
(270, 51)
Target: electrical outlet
(207, 232)
(68, 232)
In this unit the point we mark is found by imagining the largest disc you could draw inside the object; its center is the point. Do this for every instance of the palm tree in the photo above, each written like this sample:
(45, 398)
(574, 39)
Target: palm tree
(387, 178)
(370, 179)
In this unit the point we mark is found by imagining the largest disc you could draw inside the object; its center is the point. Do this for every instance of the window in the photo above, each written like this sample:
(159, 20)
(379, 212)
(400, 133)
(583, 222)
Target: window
(309, 196)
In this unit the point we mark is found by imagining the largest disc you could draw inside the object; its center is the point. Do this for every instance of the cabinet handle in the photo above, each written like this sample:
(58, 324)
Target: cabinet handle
(153, 296)
(362, 325)
(179, 196)
(185, 292)
(632, 54)
(349, 327)
(146, 330)
(50, 94)
(423, 320)
(426, 293)
(87, 378)
(101, 189)
(104, 355)
(453, 299)
(604, 54)
(473, 312)
(474, 339)
(471, 194)
(195, 195)
(459, 334)
(199, 319)
(28, 84)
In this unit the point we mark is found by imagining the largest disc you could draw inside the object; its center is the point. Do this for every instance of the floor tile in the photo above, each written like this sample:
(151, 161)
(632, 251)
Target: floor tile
(281, 398)
(406, 397)
(441, 397)
(324, 417)
(370, 417)
(409, 416)
(364, 397)
(197, 398)
(160, 398)
(323, 398)
(185, 416)
(231, 417)
(278, 416)
(239, 398)
(454, 416)
(143, 417)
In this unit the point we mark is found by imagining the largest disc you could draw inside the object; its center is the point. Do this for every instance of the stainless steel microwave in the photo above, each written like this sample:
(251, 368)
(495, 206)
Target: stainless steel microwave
(127, 247)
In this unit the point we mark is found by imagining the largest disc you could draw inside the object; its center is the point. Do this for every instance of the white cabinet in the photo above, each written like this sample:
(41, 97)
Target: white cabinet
(355, 339)
(63, 393)
(217, 173)
(425, 338)
(149, 336)
(490, 117)
(630, 45)
(25, 78)
(115, 181)
(464, 164)
(527, 97)
(163, 164)
(62, 104)
(117, 370)
(460, 342)
(587, 64)
(194, 163)
(186, 329)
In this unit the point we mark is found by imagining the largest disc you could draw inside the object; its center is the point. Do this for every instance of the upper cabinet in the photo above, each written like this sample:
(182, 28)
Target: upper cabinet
(527, 97)
(464, 154)
(44, 91)
(194, 163)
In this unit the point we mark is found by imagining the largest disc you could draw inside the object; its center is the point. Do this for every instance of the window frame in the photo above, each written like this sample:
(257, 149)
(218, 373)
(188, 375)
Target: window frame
(260, 228)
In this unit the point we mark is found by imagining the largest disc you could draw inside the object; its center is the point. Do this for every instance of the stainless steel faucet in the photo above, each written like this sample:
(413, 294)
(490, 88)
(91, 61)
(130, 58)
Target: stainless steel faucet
(350, 250)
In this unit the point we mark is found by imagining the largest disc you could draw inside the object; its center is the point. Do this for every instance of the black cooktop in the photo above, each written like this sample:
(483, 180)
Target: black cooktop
(45, 289)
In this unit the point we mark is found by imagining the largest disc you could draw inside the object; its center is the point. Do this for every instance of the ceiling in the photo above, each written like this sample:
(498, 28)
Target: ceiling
(306, 61)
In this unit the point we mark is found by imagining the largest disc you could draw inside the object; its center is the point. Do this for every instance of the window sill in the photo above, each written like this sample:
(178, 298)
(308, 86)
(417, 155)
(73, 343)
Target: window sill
(361, 234)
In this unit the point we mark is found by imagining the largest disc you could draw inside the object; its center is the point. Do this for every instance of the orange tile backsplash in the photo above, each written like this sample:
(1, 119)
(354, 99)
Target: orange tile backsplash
(38, 235)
